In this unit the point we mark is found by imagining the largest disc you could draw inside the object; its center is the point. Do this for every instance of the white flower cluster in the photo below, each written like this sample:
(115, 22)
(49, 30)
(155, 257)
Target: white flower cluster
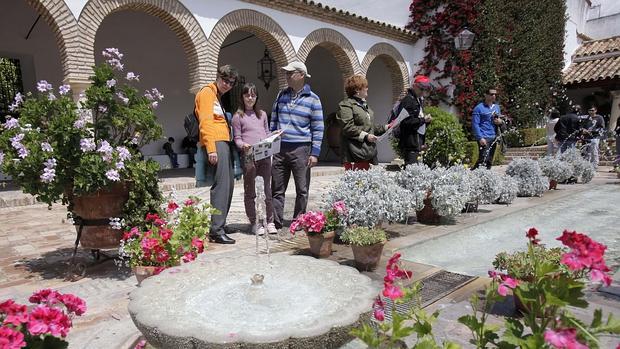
(371, 197)
(529, 176)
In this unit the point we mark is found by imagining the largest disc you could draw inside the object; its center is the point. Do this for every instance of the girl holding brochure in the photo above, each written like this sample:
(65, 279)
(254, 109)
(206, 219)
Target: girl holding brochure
(250, 126)
(359, 132)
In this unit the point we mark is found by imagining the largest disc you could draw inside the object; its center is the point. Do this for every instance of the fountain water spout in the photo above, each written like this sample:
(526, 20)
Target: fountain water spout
(257, 279)
(261, 212)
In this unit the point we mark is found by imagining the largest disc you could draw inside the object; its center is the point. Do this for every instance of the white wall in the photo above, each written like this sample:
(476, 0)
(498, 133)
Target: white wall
(603, 27)
(576, 23)
(39, 55)
(395, 12)
(154, 52)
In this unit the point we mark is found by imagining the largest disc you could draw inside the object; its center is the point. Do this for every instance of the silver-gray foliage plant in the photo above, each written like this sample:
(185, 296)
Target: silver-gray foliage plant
(371, 197)
(582, 169)
(487, 185)
(450, 189)
(555, 168)
(509, 189)
(529, 176)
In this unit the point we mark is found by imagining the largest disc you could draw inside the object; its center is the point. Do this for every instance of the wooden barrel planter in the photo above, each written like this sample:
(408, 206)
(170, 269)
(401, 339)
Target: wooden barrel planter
(94, 210)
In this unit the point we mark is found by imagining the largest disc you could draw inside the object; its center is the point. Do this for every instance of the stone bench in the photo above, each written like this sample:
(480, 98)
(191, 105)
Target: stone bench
(164, 160)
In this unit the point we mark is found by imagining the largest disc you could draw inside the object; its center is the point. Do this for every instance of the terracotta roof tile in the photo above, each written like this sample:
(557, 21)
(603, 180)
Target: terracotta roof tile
(594, 61)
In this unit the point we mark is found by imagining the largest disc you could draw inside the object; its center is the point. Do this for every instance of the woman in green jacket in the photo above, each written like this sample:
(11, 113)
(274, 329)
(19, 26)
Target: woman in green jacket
(359, 132)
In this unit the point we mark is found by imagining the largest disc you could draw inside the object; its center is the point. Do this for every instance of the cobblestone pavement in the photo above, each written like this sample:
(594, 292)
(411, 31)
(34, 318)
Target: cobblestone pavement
(36, 246)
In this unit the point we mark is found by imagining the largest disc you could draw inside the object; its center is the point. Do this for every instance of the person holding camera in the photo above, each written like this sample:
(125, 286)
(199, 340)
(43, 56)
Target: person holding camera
(486, 117)
(567, 129)
(593, 134)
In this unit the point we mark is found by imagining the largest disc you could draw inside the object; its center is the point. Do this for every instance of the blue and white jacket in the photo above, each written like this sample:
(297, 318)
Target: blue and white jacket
(301, 118)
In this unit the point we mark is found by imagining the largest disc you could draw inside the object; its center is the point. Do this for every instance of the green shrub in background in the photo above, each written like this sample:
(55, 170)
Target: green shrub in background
(445, 139)
(533, 136)
(471, 154)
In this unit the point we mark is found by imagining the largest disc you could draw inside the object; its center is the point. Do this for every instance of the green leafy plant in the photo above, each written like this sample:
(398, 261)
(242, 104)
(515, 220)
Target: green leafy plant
(391, 334)
(58, 150)
(444, 139)
(363, 236)
(520, 265)
(553, 285)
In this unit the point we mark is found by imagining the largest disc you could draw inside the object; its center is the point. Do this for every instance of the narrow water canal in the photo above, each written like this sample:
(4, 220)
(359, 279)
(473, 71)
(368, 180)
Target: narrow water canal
(471, 251)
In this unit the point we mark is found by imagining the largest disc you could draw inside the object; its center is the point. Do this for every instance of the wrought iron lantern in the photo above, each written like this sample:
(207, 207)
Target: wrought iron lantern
(265, 69)
(464, 39)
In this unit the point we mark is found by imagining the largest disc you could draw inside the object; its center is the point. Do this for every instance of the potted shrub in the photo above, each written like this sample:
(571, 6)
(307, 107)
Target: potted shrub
(164, 243)
(445, 139)
(321, 228)
(486, 185)
(367, 245)
(444, 191)
(371, 197)
(44, 324)
(556, 169)
(529, 176)
(86, 155)
(582, 169)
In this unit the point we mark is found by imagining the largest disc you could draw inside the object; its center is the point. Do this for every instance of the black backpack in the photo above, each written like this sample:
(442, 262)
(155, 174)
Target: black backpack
(192, 127)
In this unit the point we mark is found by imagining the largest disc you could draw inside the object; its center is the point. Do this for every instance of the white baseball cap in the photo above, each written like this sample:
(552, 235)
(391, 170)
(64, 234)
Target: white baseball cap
(297, 65)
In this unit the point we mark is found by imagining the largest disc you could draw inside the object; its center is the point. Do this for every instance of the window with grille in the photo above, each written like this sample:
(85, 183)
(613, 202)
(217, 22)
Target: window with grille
(10, 84)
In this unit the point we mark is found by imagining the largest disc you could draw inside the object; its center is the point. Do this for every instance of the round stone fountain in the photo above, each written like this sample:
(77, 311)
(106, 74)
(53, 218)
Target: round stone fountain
(247, 302)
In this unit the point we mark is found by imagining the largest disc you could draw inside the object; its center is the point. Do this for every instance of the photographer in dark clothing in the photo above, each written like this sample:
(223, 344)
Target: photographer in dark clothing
(567, 129)
(413, 128)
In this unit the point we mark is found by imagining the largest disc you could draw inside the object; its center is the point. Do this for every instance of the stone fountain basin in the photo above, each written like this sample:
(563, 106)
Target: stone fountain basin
(303, 303)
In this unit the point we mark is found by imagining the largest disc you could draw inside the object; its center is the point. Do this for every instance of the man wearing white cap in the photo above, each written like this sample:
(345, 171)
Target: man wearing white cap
(297, 111)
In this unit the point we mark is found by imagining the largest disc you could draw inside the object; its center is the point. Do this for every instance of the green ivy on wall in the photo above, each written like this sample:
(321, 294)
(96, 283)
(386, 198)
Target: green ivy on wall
(518, 49)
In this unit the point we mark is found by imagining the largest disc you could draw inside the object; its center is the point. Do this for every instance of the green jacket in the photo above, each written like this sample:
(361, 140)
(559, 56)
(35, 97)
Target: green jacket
(357, 120)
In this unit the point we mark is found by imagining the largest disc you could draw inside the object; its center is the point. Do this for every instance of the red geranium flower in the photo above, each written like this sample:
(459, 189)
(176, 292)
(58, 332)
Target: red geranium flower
(172, 206)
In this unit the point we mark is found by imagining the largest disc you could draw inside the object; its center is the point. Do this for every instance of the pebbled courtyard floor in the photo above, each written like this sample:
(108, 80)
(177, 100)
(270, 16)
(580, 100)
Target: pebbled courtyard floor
(36, 244)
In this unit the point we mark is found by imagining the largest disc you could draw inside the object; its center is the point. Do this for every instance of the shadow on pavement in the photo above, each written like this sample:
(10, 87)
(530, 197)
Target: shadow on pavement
(57, 265)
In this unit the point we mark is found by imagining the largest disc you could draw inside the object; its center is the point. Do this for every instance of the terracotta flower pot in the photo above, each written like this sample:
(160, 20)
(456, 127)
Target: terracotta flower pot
(428, 215)
(553, 184)
(367, 257)
(100, 206)
(143, 272)
(321, 244)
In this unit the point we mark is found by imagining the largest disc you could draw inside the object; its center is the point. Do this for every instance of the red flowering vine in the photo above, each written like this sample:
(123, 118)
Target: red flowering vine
(439, 21)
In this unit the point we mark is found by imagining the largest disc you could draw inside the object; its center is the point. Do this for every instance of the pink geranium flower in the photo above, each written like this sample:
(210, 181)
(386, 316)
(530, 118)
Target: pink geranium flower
(11, 339)
(507, 283)
(392, 291)
(45, 296)
(73, 303)
(48, 320)
(563, 338)
(15, 314)
(188, 257)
